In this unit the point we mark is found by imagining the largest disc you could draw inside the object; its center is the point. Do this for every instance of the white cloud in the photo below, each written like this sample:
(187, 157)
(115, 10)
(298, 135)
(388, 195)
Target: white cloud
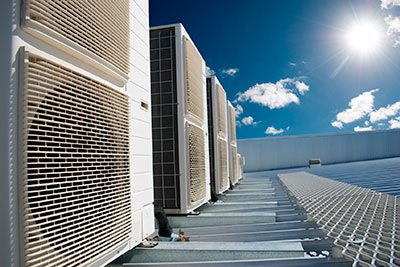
(363, 129)
(393, 30)
(395, 123)
(209, 71)
(249, 121)
(238, 110)
(230, 72)
(301, 87)
(359, 107)
(275, 95)
(366, 123)
(292, 64)
(389, 3)
(273, 131)
(385, 112)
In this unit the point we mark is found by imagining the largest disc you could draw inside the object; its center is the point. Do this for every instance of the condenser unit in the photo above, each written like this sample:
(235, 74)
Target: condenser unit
(240, 166)
(217, 135)
(81, 143)
(179, 121)
(233, 162)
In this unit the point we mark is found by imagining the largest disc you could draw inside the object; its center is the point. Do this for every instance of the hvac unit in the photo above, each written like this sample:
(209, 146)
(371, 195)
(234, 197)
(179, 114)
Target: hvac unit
(233, 162)
(179, 121)
(82, 199)
(240, 166)
(217, 135)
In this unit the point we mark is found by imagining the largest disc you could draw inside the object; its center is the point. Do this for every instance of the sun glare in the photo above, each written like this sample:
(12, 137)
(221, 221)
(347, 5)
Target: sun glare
(364, 38)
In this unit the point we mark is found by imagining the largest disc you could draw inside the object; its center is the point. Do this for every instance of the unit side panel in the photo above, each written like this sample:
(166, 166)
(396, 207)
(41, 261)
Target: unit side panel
(165, 118)
(210, 121)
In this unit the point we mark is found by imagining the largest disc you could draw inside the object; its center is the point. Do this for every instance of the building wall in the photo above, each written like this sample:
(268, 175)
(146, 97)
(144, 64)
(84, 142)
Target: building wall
(295, 151)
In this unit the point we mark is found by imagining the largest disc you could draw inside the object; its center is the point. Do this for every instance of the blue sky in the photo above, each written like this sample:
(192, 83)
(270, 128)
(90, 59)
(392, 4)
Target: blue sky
(295, 67)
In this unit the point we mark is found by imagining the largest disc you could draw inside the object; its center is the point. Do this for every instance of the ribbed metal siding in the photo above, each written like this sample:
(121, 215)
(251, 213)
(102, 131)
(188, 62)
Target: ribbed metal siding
(197, 163)
(101, 27)
(76, 179)
(195, 103)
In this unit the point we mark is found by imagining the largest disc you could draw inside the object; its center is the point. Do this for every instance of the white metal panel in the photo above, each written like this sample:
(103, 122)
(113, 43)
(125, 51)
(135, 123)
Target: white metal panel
(295, 151)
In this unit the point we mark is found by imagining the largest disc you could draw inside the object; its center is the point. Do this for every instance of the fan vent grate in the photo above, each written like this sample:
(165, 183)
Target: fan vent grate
(101, 27)
(197, 163)
(76, 179)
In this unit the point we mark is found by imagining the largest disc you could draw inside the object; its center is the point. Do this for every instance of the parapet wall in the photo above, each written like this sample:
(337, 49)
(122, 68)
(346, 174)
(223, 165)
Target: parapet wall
(295, 151)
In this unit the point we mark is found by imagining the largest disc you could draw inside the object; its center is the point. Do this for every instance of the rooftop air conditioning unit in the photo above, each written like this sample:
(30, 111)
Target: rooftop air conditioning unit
(85, 191)
(233, 162)
(240, 166)
(218, 135)
(179, 118)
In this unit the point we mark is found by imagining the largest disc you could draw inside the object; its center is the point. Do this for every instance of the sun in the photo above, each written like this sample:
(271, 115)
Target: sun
(364, 38)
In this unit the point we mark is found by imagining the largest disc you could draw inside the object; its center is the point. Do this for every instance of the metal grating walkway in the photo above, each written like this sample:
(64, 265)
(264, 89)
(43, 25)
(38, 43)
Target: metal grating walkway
(364, 223)
(256, 224)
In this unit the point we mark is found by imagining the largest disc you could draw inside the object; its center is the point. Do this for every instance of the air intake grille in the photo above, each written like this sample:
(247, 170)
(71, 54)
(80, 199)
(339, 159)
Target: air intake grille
(101, 27)
(77, 202)
(221, 111)
(223, 166)
(194, 81)
(197, 166)
(232, 123)
(235, 177)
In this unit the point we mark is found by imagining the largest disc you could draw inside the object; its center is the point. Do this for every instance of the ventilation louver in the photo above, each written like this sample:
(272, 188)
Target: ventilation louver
(101, 27)
(221, 111)
(232, 124)
(223, 166)
(197, 164)
(194, 81)
(235, 175)
(76, 178)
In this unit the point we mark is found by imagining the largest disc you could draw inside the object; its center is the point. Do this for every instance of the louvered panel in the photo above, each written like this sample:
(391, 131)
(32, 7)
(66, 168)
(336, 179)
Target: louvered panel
(232, 125)
(197, 163)
(101, 27)
(194, 81)
(221, 95)
(223, 163)
(76, 178)
(235, 177)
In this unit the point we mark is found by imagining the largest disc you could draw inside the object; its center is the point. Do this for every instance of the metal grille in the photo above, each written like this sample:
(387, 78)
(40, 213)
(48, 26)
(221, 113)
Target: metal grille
(101, 27)
(194, 81)
(211, 145)
(76, 182)
(221, 111)
(235, 177)
(223, 163)
(164, 118)
(232, 123)
(197, 163)
(364, 223)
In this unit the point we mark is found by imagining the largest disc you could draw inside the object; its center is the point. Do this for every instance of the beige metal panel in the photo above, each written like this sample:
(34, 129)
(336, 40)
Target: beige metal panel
(194, 81)
(197, 163)
(101, 27)
(232, 123)
(76, 176)
(235, 176)
(223, 166)
(221, 95)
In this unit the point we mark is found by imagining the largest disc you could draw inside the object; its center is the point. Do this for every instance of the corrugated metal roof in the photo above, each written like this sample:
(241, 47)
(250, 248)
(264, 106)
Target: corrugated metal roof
(301, 221)
(255, 224)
